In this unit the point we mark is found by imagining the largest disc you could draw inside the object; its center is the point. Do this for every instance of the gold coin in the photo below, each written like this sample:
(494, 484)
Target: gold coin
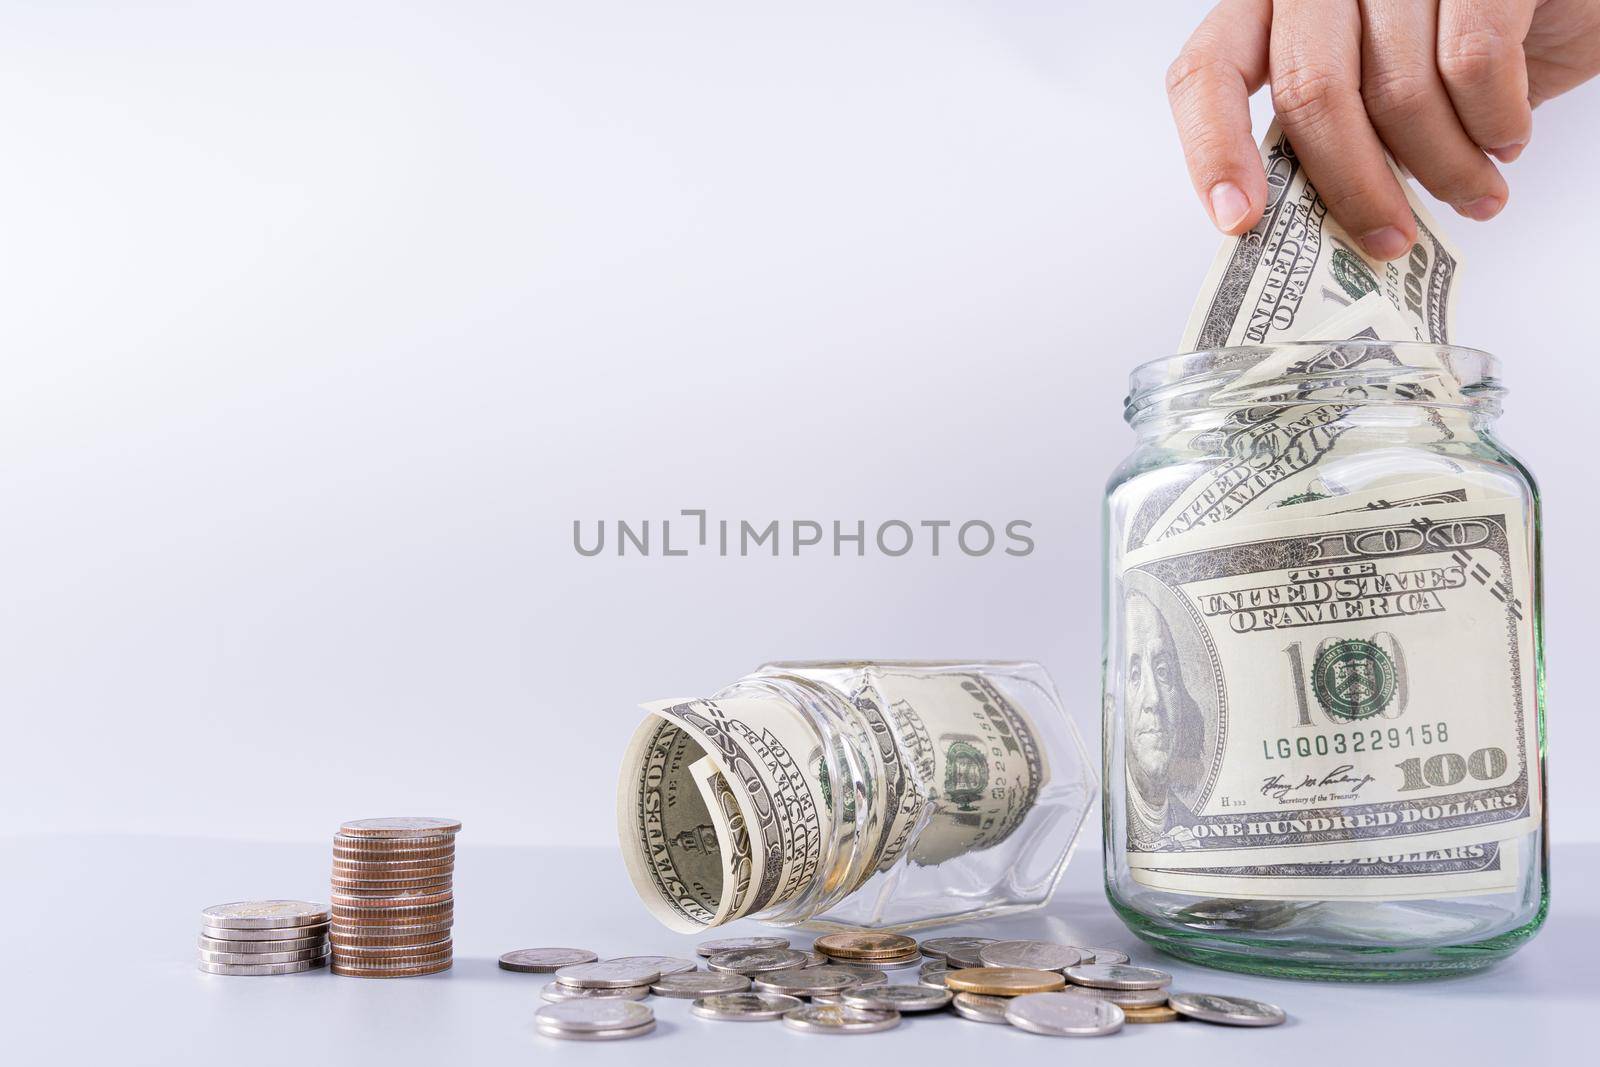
(388, 936)
(359, 917)
(865, 946)
(1160, 1014)
(391, 972)
(1003, 981)
(360, 951)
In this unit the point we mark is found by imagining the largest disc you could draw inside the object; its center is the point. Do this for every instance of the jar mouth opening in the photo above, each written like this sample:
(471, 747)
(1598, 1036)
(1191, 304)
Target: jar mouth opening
(1188, 379)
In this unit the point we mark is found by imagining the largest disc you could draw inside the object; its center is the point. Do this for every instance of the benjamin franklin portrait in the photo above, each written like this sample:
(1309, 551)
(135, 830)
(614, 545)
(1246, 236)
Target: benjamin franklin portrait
(1171, 700)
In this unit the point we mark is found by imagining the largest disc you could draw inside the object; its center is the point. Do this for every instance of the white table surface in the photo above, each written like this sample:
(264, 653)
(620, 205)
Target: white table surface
(99, 968)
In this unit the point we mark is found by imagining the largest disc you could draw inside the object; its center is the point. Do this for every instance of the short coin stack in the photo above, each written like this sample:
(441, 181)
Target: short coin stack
(392, 900)
(263, 937)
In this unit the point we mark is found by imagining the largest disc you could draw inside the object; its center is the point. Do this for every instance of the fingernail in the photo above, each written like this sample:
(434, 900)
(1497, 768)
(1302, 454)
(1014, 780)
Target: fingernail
(1386, 242)
(1229, 205)
(1482, 209)
(1507, 153)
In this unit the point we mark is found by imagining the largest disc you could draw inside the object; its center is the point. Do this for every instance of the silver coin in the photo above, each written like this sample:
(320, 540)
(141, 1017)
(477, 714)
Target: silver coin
(608, 974)
(828, 998)
(758, 960)
(901, 998)
(816, 958)
(739, 944)
(1038, 955)
(270, 933)
(594, 1015)
(1229, 1011)
(545, 960)
(933, 980)
(1064, 1015)
(939, 947)
(839, 1019)
(910, 959)
(259, 958)
(697, 984)
(264, 914)
(861, 976)
(665, 964)
(555, 992)
(299, 944)
(262, 968)
(963, 956)
(400, 827)
(1127, 998)
(1118, 976)
(1104, 955)
(744, 1007)
(980, 1008)
(596, 1035)
(804, 981)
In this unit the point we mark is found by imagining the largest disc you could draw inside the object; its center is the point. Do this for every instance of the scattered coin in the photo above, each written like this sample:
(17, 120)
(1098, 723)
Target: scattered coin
(804, 981)
(1040, 955)
(933, 980)
(261, 968)
(860, 975)
(400, 827)
(902, 998)
(545, 960)
(744, 1007)
(595, 1020)
(959, 956)
(839, 1019)
(1118, 976)
(608, 974)
(870, 946)
(980, 1008)
(700, 984)
(757, 960)
(1064, 1015)
(1126, 998)
(1229, 1011)
(263, 914)
(939, 947)
(556, 992)
(665, 964)
(739, 944)
(1003, 981)
(1104, 955)
(1161, 1013)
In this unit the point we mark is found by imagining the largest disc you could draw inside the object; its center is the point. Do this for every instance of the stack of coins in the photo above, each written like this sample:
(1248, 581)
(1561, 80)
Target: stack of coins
(392, 900)
(877, 949)
(263, 937)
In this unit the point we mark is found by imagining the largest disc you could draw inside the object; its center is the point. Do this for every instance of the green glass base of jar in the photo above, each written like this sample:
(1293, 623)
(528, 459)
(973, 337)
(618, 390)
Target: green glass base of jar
(1329, 962)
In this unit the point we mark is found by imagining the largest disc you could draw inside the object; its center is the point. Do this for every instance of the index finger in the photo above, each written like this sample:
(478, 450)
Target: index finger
(1209, 87)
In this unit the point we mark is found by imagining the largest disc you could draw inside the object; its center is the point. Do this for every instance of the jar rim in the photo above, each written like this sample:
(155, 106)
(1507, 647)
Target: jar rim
(1191, 375)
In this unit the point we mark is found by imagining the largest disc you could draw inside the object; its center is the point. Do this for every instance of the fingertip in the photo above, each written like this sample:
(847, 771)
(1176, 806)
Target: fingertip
(1482, 209)
(1231, 210)
(1386, 243)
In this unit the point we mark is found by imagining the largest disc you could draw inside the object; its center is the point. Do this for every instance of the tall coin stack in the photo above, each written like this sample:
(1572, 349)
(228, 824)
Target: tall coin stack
(392, 904)
(263, 937)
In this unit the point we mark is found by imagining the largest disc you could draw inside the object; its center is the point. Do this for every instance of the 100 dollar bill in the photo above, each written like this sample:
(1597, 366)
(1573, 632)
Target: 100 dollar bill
(1316, 689)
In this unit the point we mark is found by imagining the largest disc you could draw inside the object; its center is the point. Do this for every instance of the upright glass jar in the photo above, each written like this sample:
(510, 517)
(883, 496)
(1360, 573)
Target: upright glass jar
(854, 794)
(1323, 674)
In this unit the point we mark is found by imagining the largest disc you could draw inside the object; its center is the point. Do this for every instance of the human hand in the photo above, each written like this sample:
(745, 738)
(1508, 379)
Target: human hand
(1441, 84)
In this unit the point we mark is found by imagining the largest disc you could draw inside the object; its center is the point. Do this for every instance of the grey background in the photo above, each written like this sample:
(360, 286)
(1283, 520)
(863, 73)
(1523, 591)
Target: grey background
(324, 321)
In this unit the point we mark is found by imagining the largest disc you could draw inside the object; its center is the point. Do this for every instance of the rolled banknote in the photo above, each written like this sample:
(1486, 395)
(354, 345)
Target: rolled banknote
(790, 793)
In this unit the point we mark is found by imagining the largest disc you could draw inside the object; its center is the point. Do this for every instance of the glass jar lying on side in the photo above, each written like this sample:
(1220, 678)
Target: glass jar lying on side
(1324, 709)
(854, 794)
